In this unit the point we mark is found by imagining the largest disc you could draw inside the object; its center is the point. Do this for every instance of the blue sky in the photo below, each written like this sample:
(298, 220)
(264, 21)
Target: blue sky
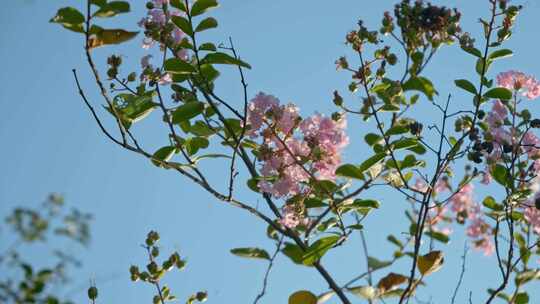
(50, 143)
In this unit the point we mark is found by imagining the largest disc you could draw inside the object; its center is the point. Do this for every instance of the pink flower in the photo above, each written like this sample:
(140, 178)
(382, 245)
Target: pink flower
(527, 85)
(486, 177)
(158, 18)
(420, 185)
(257, 110)
(532, 215)
(145, 61)
(530, 143)
(462, 201)
(294, 150)
(485, 244)
(291, 218)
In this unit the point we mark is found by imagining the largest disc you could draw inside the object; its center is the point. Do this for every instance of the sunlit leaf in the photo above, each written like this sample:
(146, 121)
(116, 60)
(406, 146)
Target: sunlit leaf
(201, 6)
(499, 93)
(318, 249)
(391, 281)
(430, 262)
(70, 18)
(178, 66)
(109, 36)
(466, 85)
(112, 8)
(253, 253)
(302, 297)
(222, 58)
(206, 24)
(500, 54)
(163, 155)
(421, 84)
(365, 292)
(349, 171)
(187, 111)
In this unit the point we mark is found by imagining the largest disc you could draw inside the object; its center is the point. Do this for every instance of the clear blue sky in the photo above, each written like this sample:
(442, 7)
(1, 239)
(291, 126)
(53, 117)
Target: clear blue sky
(50, 143)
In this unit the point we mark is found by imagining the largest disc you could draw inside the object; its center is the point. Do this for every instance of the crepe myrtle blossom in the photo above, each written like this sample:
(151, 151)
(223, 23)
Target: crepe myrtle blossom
(291, 218)
(158, 20)
(526, 85)
(436, 217)
(440, 186)
(149, 69)
(294, 149)
(532, 215)
(470, 212)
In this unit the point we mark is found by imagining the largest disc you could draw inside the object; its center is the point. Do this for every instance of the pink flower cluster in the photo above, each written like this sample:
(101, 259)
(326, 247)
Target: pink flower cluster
(527, 85)
(467, 210)
(156, 20)
(145, 64)
(293, 149)
(291, 218)
(532, 215)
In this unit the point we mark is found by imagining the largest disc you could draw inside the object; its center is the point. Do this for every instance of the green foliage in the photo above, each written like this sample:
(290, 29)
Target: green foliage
(28, 282)
(155, 271)
(466, 85)
(252, 253)
(70, 18)
(201, 6)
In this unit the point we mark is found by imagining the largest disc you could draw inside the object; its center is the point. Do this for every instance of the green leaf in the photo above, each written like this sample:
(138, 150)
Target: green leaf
(490, 203)
(99, 3)
(397, 129)
(392, 239)
(350, 171)
(473, 51)
(527, 276)
(405, 143)
(374, 263)
(178, 66)
(365, 292)
(441, 237)
(480, 66)
(222, 58)
(206, 24)
(70, 18)
(295, 253)
(365, 203)
(302, 297)
(318, 249)
(370, 162)
(500, 54)
(501, 175)
(194, 144)
(522, 298)
(430, 263)
(201, 6)
(179, 4)
(187, 111)
(163, 155)
(421, 84)
(196, 159)
(499, 93)
(133, 108)
(183, 24)
(251, 252)
(372, 138)
(466, 85)
(209, 72)
(208, 46)
(112, 8)
(101, 37)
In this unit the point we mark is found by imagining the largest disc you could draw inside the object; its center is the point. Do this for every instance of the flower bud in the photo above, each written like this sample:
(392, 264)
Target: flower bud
(92, 293)
(535, 123)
